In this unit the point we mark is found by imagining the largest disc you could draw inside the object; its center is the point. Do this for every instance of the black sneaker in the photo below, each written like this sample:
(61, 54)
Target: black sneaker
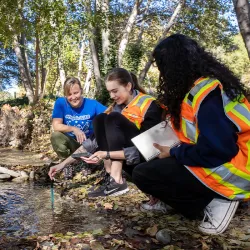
(111, 188)
(114, 189)
(101, 181)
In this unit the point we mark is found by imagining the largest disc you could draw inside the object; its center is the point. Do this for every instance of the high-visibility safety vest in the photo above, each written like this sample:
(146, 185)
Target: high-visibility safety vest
(231, 179)
(135, 111)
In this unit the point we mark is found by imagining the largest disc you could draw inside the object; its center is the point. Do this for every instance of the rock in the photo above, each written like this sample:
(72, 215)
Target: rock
(24, 174)
(32, 175)
(83, 246)
(163, 236)
(8, 171)
(4, 176)
(20, 179)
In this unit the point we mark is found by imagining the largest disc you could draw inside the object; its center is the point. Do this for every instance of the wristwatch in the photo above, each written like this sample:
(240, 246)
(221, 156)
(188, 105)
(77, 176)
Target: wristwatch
(107, 156)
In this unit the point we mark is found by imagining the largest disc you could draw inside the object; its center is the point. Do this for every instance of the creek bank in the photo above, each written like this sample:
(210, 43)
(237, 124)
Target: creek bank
(128, 227)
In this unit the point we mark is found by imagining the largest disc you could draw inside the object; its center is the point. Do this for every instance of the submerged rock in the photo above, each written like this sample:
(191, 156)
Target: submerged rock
(20, 179)
(24, 174)
(9, 172)
(163, 236)
(32, 175)
(4, 176)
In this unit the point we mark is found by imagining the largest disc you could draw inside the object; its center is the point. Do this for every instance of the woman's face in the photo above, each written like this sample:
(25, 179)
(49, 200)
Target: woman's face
(119, 93)
(75, 96)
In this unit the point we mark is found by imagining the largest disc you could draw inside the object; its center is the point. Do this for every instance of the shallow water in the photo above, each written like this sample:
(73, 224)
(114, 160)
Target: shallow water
(26, 209)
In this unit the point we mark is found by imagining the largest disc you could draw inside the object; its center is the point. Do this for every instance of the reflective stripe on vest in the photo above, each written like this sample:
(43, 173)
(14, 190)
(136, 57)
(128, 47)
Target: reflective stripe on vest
(231, 179)
(137, 108)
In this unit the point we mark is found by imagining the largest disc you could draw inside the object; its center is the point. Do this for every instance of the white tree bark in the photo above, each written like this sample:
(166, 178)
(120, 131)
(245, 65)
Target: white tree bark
(242, 9)
(81, 58)
(105, 34)
(170, 24)
(142, 27)
(87, 81)
(24, 68)
(61, 71)
(93, 50)
(127, 31)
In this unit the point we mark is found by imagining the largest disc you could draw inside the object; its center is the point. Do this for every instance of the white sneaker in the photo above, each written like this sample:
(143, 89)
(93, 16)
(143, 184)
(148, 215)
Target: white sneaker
(218, 214)
(159, 206)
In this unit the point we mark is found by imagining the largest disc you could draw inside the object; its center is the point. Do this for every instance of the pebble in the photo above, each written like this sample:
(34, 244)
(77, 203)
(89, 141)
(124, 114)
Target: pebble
(163, 236)
(32, 175)
(4, 176)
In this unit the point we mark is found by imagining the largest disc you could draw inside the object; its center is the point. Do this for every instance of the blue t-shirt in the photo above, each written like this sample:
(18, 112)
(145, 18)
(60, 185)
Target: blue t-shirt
(81, 117)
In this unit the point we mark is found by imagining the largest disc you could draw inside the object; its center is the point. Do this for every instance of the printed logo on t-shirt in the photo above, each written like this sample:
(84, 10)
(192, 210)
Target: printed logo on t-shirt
(82, 122)
(81, 117)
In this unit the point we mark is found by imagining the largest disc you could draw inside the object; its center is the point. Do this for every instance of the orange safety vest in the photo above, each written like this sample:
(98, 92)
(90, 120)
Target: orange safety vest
(231, 179)
(135, 111)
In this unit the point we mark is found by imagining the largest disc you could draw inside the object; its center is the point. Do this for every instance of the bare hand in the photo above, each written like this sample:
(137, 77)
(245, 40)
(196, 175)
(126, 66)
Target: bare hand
(80, 135)
(95, 158)
(53, 170)
(165, 150)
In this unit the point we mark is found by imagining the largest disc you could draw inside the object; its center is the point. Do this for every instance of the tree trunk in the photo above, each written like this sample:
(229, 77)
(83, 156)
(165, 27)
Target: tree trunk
(61, 70)
(87, 81)
(242, 9)
(170, 24)
(142, 26)
(37, 68)
(93, 50)
(126, 33)
(45, 73)
(105, 35)
(81, 58)
(23, 67)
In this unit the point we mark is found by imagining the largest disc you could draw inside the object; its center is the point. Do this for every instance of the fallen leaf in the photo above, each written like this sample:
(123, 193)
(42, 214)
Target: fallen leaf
(152, 230)
(95, 245)
(97, 232)
(108, 205)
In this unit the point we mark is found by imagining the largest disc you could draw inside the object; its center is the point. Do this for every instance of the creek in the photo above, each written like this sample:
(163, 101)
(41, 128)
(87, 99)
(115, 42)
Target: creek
(26, 209)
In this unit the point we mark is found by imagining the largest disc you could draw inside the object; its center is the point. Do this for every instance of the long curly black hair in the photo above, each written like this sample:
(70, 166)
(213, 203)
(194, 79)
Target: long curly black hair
(181, 61)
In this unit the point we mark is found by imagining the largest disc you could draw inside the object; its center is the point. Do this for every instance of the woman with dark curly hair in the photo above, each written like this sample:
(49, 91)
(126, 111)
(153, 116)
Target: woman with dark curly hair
(210, 170)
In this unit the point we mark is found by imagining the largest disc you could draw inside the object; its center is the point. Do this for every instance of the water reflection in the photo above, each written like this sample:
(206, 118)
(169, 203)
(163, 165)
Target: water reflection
(26, 209)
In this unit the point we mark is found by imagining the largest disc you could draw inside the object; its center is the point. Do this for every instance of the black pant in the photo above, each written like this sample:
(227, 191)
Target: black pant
(173, 184)
(114, 132)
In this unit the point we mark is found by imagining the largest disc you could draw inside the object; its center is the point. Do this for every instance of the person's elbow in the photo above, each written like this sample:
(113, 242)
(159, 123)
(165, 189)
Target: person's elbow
(56, 125)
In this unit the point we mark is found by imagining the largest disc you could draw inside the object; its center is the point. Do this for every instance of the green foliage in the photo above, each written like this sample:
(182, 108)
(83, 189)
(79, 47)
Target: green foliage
(209, 22)
(235, 57)
(102, 96)
(15, 102)
(133, 56)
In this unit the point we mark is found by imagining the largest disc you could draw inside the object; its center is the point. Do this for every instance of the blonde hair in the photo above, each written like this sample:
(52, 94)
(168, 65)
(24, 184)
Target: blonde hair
(69, 82)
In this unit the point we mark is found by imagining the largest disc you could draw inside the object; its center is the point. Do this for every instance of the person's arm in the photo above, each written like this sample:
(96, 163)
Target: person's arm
(217, 141)
(53, 170)
(130, 154)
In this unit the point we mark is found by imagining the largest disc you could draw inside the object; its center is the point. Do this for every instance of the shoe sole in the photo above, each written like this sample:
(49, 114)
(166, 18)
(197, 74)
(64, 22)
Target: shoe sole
(119, 192)
(228, 217)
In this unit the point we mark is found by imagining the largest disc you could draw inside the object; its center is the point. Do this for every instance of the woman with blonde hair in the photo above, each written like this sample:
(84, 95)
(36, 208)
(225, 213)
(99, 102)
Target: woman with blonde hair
(72, 119)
